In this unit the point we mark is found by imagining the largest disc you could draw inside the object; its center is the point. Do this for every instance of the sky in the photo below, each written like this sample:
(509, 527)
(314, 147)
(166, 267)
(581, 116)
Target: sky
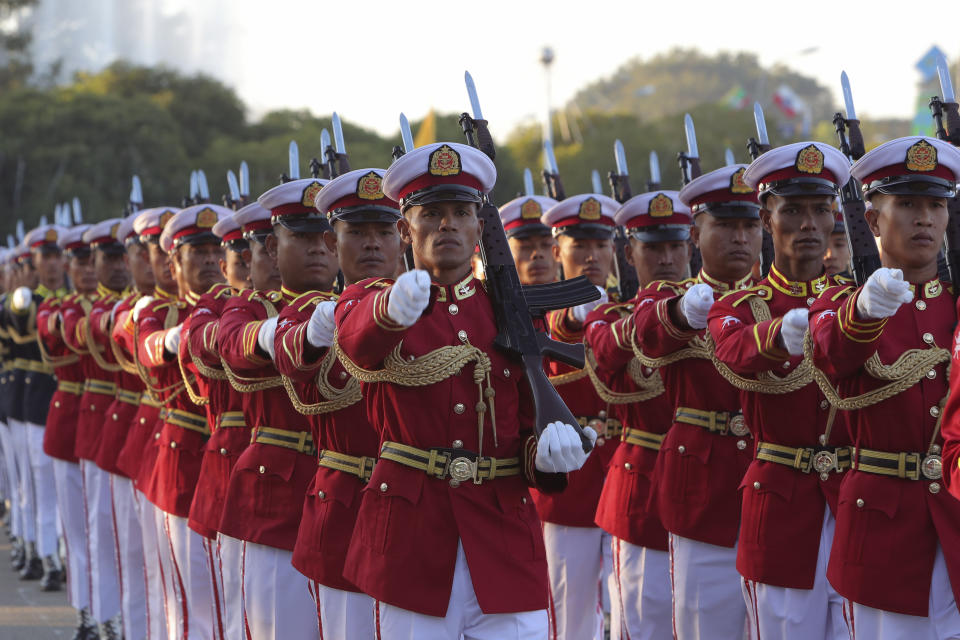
(372, 59)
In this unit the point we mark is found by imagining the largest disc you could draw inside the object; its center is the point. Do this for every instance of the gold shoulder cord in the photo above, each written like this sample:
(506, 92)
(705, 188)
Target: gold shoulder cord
(55, 361)
(126, 365)
(252, 385)
(649, 386)
(95, 351)
(195, 396)
(336, 398)
(431, 368)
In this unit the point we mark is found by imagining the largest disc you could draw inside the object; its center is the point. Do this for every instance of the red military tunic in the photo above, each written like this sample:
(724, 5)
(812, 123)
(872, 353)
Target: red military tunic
(624, 510)
(888, 528)
(61, 432)
(333, 498)
(139, 453)
(264, 498)
(781, 521)
(410, 523)
(123, 411)
(100, 386)
(179, 443)
(698, 472)
(224, 408)
(576, 506)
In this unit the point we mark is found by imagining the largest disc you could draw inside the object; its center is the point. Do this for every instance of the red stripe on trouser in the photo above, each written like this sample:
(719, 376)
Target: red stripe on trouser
(314, 587)
(551, 612)
(163, 577)
(624, 627)
(179, 576)
(218, 616)
(376, 620)
(86, 519)
(752, 594)
(116, 541)
(673, 590)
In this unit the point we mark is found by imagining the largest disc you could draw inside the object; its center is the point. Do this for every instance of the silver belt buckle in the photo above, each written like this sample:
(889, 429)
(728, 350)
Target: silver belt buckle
(738, 426)
(932, 467)
(460, 470)
(825, 461)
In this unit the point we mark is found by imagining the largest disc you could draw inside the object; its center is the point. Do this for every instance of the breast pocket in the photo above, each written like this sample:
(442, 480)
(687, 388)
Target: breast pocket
(389, 509)
(866, 509)
(766, 490)
(265, 475)
(520, 525)
(686, 471)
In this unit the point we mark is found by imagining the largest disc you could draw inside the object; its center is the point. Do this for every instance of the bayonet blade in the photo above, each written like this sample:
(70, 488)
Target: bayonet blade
(202, 185)
(338, 133)
(11, 243)
(194, 189)
(472, 93)
(528, 182)
(233, 186)
(406, 134)
(692, 150)
(43, 220)
(595, 180)
(847, 96)
(324, 141)
(654, 168)
(728, 157)
(549, 159)
(77, 212)
(761, 123)
(294, 161)
(946, 82)
(244, 179)
(19, 230)
(621, 157)
(136, 190)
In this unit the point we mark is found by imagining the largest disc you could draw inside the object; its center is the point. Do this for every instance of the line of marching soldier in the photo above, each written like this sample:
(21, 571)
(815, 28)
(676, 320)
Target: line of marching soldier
(229, 449)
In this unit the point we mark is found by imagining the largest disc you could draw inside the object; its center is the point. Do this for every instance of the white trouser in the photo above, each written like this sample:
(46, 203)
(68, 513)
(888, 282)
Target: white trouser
(215, 585)
(707, 599)
(104, 574)
(343, 614)
(640, 596)
(230, 557)
(575, 561)
(798, 614)
(44, 491)
(129, 545)
(153, 568)
(25, 495)
(941, 623)
(69, 483)
(13, 479)
(276, 597)
(189, 594)
(464, 618)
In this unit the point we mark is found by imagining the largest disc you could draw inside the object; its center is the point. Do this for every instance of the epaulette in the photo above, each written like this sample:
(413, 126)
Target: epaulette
(270, 296)
(376, 283)
(622, 308)
(666, 285)
(842, 279)
(837, 292)
(312, 298)
(734, 298)
(220, 290)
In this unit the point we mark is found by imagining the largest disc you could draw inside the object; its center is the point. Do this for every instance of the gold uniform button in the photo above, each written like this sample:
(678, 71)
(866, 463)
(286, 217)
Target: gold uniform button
(321, 494)
(756, 485)
(506, 373)
(928, 338)
(681, 449)
(523, 500)
(343, 375)
(627, 466)
(931, 374)
(56, 403)
(93, 407)
(921, 305)
(173, 445)
(262, 469)
(935, 411)
(860, 503)
(934, 487)
(223, 451)
(383, 487)
(459, 408)
(27, 380)
(453, 309)
(143, 421)
(156, 436)
(741, 444)
(114, 416)
(810, 301)
(824, 404)
(462, 335)
(458, 444)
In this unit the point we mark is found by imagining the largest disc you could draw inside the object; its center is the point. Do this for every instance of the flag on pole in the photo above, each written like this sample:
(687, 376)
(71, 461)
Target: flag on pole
(736, 98)
(787, 101)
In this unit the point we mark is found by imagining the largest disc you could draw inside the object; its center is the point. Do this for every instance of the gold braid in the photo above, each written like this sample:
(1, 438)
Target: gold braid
(155, 393)
(95, 351)
(195, 396)
(336, 398)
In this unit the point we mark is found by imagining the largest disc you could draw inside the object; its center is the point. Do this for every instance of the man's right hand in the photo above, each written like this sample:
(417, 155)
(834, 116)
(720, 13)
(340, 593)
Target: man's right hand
(409, 296)
(695, 305)
(883, 293)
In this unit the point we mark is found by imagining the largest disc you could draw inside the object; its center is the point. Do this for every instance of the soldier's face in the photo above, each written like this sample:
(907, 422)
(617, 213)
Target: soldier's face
(591, 257)
(235, 270)
(536, 262)
(138, 264)
(111, 270)
(837, 258)
(82, 273)
(160, 265)
(199, 265)
(49, 266)
(264, 273)
(800, 225)
(304, 260)
(666, 260)
(910, 228)
(28, 275)
(729, 246)
(443, 235)
(366, 249)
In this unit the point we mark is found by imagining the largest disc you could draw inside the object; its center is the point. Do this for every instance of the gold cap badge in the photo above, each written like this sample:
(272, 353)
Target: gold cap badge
(369, 186)
(206, 218)
(531, 210)
(590, 209)
(445, 162)
(737, 185)
(113, 229)
(921, 156)
(661, 206)
(310, 194)
(165, 218)
(50, 235)
(810, 160)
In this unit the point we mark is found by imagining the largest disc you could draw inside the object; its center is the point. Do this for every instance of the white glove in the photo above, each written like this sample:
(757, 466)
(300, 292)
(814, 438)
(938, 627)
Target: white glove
(883, 293)
(409, 296)
(21, 298)
(580, 312)
(321, 325)
(171, 340)
(140, 306)
(695, 305)
(265, 336)
(560, 450)
(792, 330)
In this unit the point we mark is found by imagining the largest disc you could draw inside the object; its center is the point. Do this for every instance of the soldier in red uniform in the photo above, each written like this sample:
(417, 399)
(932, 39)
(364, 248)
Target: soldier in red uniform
(884, 347)
(531, 241)
(200, 354)
(837, 258)
(61, 427)
(264, 499)
(138, 454)
(658, 224)
(368, 245)
(448, 541)
(578, 551)
(194, 253)
(789, 492)
(706, 451)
